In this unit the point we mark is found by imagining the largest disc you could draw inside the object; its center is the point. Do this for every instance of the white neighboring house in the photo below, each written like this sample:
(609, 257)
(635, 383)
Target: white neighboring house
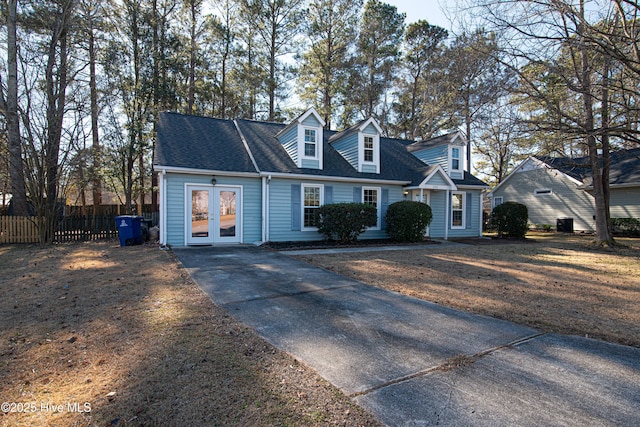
(555, 188)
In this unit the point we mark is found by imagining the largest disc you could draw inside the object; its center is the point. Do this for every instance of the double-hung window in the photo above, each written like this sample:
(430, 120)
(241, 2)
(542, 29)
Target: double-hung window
(455, 159)
(312, 200)
(368, 148)
(310, 143)
(457, 210)
(371, 196)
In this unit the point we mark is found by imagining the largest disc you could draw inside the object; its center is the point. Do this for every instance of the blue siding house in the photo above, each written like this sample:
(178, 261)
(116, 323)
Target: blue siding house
(244, 181)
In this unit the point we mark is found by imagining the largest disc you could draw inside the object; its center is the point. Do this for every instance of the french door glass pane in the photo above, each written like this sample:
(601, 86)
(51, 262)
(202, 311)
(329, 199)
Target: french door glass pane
(227, 213)
(200, 213)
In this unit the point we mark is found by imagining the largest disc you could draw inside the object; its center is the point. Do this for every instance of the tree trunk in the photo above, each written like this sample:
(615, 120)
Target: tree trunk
(606, 161)
(603, 234)
(16, 172)
(272, 72)
(192, 58)
(96, 184)
(56, 87)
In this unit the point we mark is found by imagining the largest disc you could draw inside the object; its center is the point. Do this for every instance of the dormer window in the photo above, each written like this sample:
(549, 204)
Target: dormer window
(310, 143)
(302, 140)
(456, 161)
(455, 158)
(360, 145)
(368, 148)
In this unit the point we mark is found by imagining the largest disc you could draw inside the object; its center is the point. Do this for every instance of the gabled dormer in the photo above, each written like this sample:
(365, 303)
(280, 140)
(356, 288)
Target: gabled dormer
(360, 145)
(448, 151)
(302, 139)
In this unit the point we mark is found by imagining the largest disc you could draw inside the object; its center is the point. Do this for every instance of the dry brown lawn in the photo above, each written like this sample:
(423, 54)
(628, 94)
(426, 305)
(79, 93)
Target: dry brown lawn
(94, 334)
(557, 283)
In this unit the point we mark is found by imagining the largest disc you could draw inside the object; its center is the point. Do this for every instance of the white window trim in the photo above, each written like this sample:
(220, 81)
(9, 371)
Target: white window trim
(539, 192)
(378, 207)
(376, 151)
(461, 159)
(301, 151)
(495, 199)
(302, 187)
(464, 211)
(304, 154)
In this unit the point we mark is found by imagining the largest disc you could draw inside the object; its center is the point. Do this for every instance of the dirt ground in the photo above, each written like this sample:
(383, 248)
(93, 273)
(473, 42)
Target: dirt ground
(554, 282)
(95, 335)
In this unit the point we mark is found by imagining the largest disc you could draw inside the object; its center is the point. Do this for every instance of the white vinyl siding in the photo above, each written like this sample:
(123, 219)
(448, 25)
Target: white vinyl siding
(565, 200)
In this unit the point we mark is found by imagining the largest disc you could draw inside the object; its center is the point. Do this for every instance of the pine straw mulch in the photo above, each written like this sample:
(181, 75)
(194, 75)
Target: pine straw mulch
(98, 335)
(554, 282)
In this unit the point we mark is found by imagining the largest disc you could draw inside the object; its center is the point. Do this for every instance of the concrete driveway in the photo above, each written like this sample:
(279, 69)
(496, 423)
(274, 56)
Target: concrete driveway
(414, 363)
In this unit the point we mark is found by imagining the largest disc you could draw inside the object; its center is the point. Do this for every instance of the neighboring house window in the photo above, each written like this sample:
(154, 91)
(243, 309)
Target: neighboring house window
(497, 201)
(371, 196)
(310, 143)
(542, 192)
(312, 200)
(458, 202)
(368, 148)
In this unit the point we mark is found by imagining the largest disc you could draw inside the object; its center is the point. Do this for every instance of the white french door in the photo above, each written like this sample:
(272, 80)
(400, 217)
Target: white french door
(213, 214)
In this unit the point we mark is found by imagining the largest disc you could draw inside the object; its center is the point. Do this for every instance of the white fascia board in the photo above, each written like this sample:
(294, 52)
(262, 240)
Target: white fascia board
(191, 171)
(308, 113)
(433, 187)
(332, 178)
(451, 184)
(459, 135)
(473, 187)
(590, 186)
(372, 121)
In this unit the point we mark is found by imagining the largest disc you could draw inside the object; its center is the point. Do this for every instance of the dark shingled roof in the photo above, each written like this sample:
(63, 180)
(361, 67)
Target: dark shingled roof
(432, 142)
(625, 167)
(189, 141)
(200, 143)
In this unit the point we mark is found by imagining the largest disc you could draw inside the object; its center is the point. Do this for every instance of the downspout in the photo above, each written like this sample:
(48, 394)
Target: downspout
(264, 209)
(481, 215)
(163, 208)
(268, 207)
(447, 215)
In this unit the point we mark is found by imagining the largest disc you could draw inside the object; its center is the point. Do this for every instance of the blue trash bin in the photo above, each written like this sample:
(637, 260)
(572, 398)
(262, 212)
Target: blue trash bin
(129, 230)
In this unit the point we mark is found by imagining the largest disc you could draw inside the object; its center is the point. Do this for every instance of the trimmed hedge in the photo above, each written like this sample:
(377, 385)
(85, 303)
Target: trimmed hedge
(628, 227)
(511, 219)
(345, 221)
(407, 220)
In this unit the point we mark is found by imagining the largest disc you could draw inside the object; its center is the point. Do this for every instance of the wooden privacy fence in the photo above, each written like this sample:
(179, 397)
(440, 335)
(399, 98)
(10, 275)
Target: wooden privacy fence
(16, 229)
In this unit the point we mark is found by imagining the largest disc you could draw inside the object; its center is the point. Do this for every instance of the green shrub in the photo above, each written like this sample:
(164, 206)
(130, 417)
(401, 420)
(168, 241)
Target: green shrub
(407, 221)
(345, 221)
(511, 219)
(629, 227)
